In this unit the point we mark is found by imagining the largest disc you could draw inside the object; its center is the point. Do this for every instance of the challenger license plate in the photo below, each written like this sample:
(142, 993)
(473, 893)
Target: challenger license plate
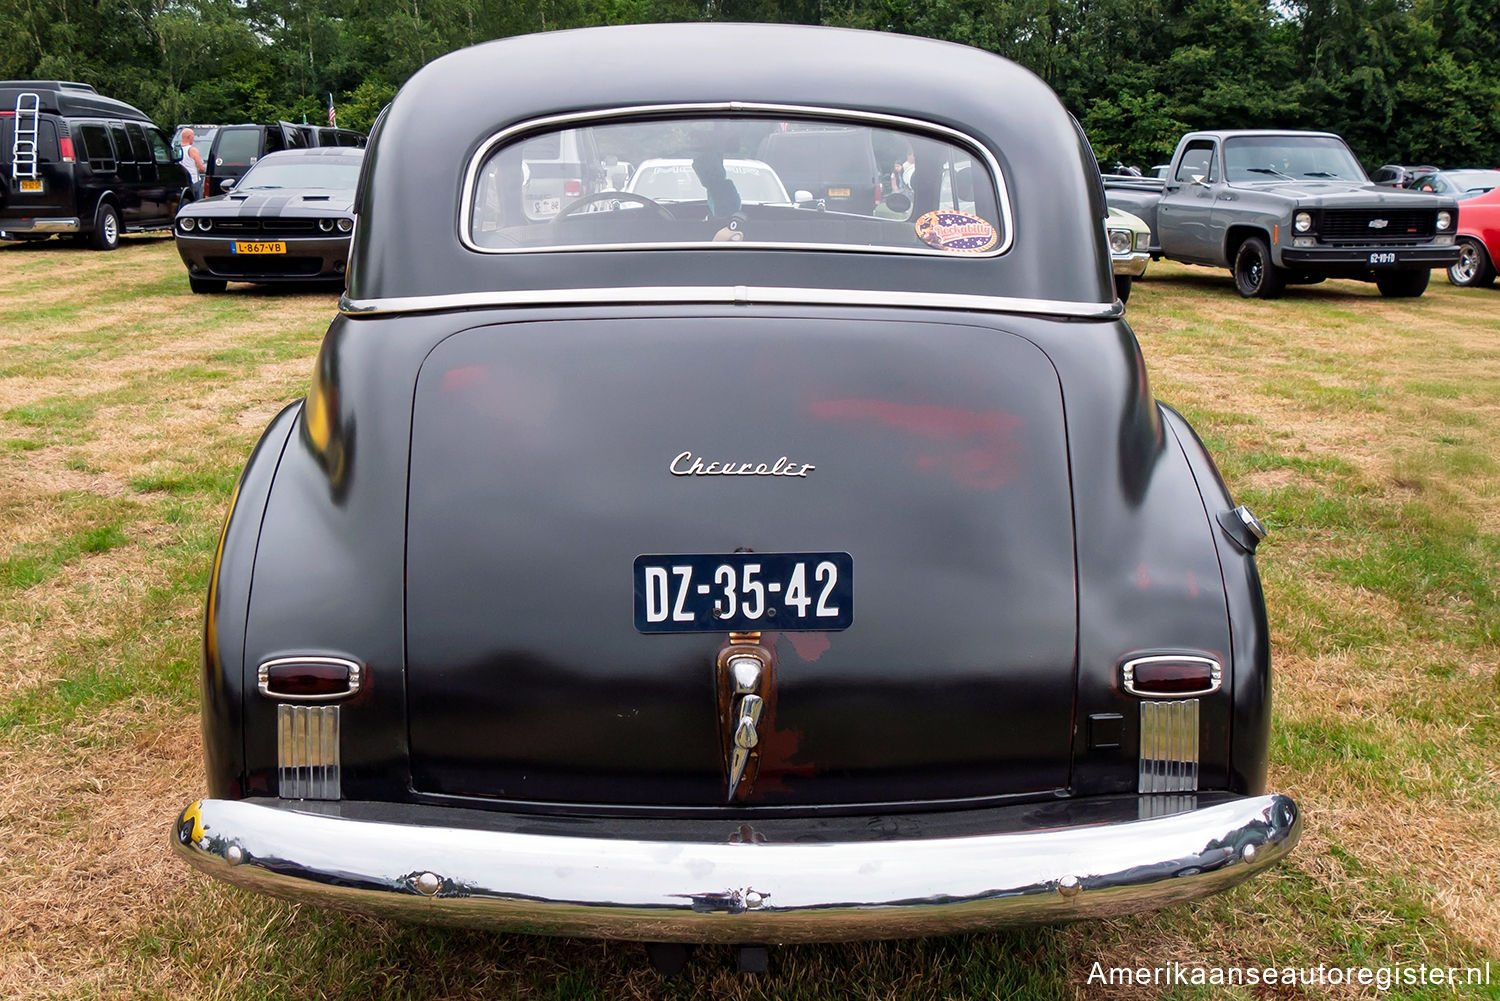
(259, 247)
(34, 184)
(743, 591)
(839, 192)
(1383, 257)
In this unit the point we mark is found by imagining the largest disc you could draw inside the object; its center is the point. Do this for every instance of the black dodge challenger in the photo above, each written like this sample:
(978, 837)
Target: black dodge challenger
(726, 570)
(287, 220)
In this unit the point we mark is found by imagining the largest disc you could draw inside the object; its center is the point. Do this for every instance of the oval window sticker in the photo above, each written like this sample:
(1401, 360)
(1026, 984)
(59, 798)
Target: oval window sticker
(958, 232)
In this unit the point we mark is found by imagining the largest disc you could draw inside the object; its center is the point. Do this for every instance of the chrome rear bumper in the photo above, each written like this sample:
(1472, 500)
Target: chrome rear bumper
(28, 226)
(676, 891)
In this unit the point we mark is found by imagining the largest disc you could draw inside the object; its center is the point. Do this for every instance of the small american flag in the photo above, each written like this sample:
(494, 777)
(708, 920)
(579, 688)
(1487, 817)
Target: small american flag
(333, 118)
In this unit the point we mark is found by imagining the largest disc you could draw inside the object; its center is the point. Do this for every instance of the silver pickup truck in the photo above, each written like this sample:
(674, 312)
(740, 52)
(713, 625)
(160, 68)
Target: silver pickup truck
(1288, 208)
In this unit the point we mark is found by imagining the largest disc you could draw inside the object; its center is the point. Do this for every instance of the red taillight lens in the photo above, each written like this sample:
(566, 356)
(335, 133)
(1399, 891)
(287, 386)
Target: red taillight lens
(309, 679)
(1173, 676)
(572, 189)
(65, 147)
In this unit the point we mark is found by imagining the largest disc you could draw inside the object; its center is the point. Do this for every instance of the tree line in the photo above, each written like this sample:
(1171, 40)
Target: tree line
(1407, 81)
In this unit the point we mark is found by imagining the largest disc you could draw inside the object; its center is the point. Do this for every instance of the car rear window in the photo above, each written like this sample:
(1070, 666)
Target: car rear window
(46, 140)
(736, 179)
(237, 147)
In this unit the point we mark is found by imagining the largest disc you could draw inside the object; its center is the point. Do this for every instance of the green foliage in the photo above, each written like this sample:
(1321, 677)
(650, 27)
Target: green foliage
(1402, 80)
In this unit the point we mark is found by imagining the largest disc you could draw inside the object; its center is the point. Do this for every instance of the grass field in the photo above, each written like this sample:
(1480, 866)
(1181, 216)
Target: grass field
(1363, 431)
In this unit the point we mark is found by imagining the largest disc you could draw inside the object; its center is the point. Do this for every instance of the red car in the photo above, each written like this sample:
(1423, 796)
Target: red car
(1478, 221)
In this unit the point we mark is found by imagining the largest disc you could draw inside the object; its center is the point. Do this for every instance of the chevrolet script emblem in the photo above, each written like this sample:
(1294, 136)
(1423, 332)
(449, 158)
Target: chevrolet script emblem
(1379, 223)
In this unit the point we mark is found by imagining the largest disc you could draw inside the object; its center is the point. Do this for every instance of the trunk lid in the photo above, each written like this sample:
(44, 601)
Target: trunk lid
(547, 457)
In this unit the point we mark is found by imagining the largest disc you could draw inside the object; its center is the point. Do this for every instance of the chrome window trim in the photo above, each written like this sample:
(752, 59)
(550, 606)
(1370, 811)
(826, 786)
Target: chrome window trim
(731, 294)
(356, 678)
(1215, 670)
(471, 172)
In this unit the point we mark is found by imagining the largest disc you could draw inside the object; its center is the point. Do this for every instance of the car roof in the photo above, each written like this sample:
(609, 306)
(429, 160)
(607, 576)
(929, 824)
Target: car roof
(1222, 134)
(683, 161)
(315, 154)
(428, 140)
(71, 100)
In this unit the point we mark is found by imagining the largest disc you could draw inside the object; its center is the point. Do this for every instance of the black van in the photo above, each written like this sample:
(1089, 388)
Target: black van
(73, 161)
(836, 165)
(236, 147)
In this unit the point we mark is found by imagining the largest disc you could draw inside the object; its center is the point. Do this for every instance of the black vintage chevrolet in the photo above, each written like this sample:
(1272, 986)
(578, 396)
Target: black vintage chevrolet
(721, 569)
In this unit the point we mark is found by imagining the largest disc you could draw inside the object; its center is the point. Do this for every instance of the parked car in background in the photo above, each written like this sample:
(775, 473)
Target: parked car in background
(75, 162)
(287, 220)
(236, 148)
(1281, 208)
(835, 164)
(1478, 237)
(1459, 184)
(675, 180)
(736, 571)
(1395, 175)
(328, 135)
(1129, 248)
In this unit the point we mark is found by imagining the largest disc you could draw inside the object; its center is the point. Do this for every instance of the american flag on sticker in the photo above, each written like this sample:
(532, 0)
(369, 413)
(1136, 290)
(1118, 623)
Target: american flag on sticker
(956, 231)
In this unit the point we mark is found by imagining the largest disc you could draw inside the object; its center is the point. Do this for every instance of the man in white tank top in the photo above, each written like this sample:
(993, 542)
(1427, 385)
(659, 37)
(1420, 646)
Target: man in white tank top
(193, 161)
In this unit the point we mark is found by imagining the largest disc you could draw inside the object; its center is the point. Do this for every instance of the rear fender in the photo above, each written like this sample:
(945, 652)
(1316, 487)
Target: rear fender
(228, 600)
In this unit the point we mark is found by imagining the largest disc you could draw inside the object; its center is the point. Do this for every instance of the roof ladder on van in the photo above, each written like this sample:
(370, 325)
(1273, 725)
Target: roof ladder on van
(23, 150)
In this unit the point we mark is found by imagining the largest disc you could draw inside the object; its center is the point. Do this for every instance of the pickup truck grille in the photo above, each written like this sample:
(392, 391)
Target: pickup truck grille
(1362, 226)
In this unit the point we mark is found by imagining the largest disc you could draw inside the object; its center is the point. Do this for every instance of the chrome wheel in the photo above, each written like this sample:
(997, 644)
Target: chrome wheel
(1473, 266)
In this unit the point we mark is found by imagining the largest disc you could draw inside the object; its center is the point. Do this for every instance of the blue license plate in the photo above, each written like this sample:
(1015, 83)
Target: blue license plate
(709, 593)
(1383, 257)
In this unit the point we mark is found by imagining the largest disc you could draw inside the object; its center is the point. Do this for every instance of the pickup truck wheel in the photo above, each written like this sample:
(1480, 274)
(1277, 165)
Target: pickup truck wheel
(106, 234)
(205, 286)
(1474, 268)
(1122, 288)
(1403, 284)
(1254, 275)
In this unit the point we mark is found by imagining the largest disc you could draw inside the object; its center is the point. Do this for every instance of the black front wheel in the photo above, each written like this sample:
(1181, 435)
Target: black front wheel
(1474, 268)
(1255, 276)
(1403, 284)
(106, 233)
(1122, 288)
(206, 286)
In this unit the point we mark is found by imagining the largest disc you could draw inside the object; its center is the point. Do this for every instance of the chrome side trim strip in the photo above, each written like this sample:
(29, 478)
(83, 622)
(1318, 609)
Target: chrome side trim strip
(1215, 671)
(471, 173)
(307, 752)
(1169, 746)
(733, 294)
(677, 891)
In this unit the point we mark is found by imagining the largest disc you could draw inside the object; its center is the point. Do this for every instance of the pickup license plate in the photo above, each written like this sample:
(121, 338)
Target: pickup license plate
(713, 593)
(261, 247)
(33, 184)
(1383, 257)
(839, 192)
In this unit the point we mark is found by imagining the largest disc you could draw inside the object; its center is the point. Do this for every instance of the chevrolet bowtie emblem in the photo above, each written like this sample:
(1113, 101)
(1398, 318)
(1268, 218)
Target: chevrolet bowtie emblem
(744, 684)
(1379, 223)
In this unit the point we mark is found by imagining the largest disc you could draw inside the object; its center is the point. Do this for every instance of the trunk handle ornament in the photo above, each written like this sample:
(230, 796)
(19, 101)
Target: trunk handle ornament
(744, 677)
